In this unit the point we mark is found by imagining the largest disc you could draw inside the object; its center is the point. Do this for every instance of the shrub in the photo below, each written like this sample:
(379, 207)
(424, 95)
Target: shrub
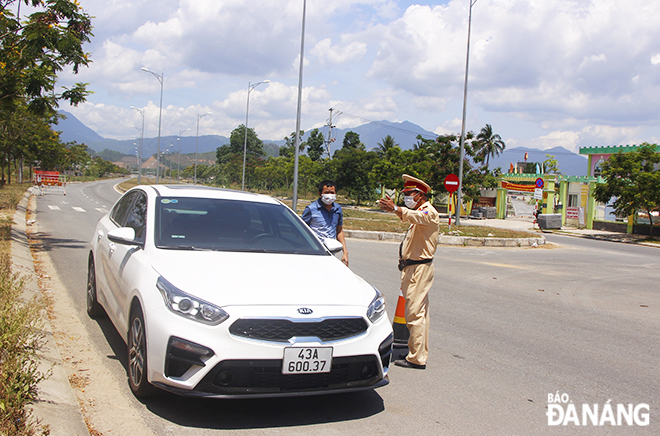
(20, 338)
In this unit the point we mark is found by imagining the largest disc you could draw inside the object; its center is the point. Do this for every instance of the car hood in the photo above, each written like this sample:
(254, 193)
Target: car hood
(231, 278)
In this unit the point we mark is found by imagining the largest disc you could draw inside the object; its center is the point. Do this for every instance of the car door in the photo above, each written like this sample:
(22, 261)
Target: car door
(105, 250)
(123, 266)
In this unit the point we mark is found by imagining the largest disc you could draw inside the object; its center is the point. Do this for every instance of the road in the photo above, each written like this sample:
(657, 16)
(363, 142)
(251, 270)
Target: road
(508, 328)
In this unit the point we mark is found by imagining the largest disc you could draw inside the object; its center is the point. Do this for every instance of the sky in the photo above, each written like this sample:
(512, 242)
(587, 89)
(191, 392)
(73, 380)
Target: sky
(570, 73)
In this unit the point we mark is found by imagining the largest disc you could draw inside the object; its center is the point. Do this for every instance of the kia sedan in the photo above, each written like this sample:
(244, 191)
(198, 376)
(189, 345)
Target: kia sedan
(219, 293)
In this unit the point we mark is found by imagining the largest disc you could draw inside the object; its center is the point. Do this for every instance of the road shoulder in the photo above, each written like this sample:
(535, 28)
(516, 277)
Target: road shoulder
(57, 405)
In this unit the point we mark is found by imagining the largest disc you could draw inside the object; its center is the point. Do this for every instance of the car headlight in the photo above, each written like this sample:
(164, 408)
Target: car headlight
(377, 307)
(188, 306)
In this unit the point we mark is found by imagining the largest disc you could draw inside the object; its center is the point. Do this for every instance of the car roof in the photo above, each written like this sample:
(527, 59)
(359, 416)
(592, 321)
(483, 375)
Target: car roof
(207, 192)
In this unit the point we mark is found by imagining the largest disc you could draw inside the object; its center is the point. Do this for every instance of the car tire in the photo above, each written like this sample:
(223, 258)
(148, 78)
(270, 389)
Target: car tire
(137, 356)
(94, 308)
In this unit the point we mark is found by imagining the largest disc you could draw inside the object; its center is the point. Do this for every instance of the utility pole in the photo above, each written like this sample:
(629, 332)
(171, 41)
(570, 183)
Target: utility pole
(462, 145)
(329, 140)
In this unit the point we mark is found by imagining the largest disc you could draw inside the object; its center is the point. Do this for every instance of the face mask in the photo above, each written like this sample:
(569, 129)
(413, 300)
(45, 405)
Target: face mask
(328, 198)
(409, 201)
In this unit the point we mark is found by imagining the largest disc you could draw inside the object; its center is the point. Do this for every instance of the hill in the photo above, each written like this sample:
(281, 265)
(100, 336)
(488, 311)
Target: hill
(404, 133)
(71, 129)
(570, 163)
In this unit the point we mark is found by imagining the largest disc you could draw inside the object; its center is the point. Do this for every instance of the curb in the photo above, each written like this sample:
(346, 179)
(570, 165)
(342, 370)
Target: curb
(466, 241)
(622, 238)
(56, 405)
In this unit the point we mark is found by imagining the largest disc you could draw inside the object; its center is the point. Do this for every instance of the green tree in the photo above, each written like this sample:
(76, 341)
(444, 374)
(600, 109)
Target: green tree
(489, 144)
(36, 48)
(352, 141)
(288, 149)
(99, 168)
(389, 167)
(230, 156)
(385, 145)
(550, 165)
(315, 145)
(633, 179)
(351, 167)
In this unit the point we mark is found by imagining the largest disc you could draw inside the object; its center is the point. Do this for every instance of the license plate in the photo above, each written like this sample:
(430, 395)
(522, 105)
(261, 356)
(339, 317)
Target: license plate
(307, 360)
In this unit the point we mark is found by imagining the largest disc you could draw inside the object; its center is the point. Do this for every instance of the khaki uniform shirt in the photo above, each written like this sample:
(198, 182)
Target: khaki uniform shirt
(422, 237)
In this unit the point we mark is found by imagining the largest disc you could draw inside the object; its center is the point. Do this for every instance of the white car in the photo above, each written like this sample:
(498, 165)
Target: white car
(220, 293)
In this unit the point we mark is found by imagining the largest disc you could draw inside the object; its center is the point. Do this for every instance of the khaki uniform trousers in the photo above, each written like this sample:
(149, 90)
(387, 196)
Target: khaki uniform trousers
(416, 281)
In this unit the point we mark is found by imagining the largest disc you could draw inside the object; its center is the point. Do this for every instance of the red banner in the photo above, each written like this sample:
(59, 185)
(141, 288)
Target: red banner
(517, 187)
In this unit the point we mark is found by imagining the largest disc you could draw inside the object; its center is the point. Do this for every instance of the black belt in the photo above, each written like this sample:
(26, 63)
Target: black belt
(407, 262)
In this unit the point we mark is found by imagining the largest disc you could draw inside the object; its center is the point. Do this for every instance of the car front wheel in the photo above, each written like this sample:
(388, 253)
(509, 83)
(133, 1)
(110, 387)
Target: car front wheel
(137, 356)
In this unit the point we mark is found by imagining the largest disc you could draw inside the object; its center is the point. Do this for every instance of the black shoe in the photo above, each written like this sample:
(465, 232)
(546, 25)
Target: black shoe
(405, 364)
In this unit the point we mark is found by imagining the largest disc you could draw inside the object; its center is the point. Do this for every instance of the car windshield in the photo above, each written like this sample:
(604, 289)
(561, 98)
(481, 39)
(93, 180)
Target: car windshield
(186, 223)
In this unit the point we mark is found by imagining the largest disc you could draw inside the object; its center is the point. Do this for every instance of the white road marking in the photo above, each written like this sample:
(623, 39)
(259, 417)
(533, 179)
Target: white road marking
(52, 207)
(102, 209)
(78, 209)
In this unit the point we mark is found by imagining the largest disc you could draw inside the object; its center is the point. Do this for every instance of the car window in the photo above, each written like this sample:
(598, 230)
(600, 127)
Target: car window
(136, 217)
(230, 225)
(120, 210)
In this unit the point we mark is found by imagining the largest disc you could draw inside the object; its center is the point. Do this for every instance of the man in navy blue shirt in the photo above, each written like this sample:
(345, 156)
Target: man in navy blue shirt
(325, 217)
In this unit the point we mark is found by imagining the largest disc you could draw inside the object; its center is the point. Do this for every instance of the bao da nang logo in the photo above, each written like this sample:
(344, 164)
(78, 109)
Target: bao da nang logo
(562, 411)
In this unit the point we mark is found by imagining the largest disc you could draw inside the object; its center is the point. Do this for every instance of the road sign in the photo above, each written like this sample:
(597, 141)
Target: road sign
(539, 183)
(451, 183)
(538, 194)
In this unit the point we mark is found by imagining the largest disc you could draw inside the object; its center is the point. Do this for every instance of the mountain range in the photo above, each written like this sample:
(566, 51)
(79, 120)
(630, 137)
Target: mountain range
(404, 133)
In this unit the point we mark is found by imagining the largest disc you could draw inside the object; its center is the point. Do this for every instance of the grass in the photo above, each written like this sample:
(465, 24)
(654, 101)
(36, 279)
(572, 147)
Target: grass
(20, 334)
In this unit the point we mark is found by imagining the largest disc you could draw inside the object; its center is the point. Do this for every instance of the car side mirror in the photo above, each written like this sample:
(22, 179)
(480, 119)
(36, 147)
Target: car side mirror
(333, 245)
(124, 236)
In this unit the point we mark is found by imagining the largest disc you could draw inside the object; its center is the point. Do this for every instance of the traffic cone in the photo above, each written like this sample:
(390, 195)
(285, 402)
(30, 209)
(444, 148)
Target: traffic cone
(401, 333)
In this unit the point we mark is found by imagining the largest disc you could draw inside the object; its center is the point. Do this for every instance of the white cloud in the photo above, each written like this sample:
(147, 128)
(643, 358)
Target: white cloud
(568, 72)
(554, 56)
(327, 53)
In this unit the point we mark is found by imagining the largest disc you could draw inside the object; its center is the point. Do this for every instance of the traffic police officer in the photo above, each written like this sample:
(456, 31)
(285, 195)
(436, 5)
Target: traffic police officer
(416, 264)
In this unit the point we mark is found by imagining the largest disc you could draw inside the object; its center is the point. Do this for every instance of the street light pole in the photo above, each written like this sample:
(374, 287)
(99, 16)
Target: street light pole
(247, 110)
(141, 144)
(160, 116)
(460, 167)
(199, 117)
(178, 165)
(294, 203)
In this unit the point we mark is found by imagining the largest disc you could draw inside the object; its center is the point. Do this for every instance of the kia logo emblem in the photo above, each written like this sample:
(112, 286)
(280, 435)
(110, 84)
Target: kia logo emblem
(305, 311)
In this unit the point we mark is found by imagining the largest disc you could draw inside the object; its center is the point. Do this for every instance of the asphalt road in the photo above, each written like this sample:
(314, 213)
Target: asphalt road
(508, 328)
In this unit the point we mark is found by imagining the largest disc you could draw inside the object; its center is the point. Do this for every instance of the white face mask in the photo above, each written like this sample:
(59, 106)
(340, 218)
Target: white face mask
(328, 198)
(409, 201)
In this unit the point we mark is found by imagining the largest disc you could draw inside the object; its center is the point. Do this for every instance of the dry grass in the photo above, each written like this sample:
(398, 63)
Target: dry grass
(377, 221)
(20, 333)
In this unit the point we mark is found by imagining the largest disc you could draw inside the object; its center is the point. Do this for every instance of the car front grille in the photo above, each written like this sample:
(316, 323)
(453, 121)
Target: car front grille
(237, 377)
(281, 330)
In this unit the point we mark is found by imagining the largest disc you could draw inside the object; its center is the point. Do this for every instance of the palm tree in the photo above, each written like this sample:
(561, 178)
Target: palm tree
(489, 144)
(384, 145)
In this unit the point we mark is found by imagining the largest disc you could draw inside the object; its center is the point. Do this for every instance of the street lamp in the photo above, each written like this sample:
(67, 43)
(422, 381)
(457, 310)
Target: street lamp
(247, 110)
(160, 115)
(141, 143)
(294, 197)
(199, 117)
(178, 166)
(465, 89)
